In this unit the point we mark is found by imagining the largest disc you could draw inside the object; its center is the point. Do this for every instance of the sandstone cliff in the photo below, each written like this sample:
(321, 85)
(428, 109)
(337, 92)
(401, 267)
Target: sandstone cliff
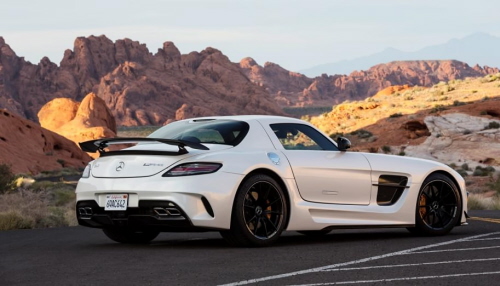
(29, 148)
(88, 120)
(292, 89)
(140, 88)
(144, 88)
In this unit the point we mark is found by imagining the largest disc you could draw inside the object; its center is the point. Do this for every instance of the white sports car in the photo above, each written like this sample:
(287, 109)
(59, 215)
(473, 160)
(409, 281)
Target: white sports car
(252, 177)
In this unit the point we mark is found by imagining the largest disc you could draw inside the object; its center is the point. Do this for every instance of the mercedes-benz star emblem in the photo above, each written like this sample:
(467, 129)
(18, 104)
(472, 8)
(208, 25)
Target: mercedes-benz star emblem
(120, 166)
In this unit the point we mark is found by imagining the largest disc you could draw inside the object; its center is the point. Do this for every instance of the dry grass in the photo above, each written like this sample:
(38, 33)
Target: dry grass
(480, 202)
(51, 206)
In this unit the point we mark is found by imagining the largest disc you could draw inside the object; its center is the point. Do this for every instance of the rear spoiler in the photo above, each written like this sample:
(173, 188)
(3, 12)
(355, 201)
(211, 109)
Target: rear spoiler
(100, 144)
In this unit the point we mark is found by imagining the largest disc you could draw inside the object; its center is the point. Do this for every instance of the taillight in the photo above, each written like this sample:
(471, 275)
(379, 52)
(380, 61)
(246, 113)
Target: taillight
(190, 169)
(86, 172)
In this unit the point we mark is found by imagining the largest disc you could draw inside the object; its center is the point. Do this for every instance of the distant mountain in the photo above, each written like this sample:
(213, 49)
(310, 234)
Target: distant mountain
(478, 48)
(142, 88)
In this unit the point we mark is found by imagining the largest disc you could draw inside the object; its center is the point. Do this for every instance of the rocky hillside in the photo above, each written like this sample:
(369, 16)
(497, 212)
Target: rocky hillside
(293, 89)
(455, 122)
(29, 148)
(78, 122)
(144, 88)
(140, 88)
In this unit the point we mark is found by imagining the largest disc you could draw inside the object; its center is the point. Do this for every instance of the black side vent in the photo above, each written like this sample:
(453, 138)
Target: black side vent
(390, 189)
(207, 206)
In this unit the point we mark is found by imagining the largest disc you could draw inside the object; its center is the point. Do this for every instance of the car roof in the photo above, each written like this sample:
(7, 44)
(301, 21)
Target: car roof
(248, 118)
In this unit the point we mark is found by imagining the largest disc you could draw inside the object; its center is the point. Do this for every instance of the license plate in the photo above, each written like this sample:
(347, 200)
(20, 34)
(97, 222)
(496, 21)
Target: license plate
(116, 202)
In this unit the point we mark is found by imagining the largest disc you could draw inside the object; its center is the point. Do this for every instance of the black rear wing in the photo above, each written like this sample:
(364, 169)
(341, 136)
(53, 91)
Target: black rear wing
(100, 144)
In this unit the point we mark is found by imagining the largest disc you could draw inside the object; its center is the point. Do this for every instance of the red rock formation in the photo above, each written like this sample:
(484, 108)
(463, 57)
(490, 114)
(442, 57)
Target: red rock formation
(141, 88)
(330, 90)
(29, 148)
(78, 122)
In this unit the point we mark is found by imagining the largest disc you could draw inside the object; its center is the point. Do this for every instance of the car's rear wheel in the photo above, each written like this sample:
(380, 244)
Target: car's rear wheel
(260, 213)
(438, 207)
(124, 235)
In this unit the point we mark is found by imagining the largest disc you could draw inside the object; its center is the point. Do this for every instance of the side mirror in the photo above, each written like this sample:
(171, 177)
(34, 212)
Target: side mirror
(343, 143)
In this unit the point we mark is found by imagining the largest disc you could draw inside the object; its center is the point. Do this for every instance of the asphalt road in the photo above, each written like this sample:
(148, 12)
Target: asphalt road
(470, 255)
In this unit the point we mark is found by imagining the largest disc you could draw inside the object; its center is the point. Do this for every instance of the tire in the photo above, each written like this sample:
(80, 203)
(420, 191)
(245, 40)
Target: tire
(124, 235)
(315, 233)
(438, 207)
(260, 213)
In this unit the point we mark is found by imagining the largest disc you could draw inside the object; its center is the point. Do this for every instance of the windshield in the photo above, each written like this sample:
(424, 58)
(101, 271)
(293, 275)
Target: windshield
(228, 132)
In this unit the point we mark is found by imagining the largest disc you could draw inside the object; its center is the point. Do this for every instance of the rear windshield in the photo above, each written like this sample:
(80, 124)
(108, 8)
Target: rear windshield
(228, 132)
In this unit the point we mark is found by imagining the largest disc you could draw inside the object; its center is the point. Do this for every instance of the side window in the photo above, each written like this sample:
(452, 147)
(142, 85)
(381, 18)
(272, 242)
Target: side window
(301, 137)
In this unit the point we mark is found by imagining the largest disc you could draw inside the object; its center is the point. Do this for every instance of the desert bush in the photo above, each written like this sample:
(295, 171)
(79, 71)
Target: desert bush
(492, 125)
(6, 178)
(462, 173)
(458, 103)
(386, 149)
(361, 133)
(402, 153)
(14, 220)
(437, 108)
(483, 172)
(495, 185)
(40, 207)
(395, 115)
(465, 167)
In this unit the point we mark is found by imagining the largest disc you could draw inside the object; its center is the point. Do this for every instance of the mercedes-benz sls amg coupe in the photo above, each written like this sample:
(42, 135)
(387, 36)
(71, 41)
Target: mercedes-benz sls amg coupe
(253, 177)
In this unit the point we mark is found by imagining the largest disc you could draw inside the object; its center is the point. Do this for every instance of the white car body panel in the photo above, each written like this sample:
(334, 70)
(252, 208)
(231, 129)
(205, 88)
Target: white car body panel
(324, 188)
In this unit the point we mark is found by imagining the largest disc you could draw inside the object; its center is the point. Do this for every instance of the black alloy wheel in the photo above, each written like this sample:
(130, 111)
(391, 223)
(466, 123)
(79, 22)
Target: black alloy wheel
(439, 206)
(260, 212)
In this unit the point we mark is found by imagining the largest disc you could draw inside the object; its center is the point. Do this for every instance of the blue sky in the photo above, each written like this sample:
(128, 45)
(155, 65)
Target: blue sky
(293, 34)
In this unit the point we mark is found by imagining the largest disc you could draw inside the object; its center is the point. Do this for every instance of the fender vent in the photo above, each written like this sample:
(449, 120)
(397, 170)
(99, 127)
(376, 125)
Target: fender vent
(390, 189)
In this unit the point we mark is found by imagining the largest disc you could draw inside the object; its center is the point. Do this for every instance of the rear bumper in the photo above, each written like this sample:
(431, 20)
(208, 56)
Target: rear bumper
(157, 215)
(204, 201)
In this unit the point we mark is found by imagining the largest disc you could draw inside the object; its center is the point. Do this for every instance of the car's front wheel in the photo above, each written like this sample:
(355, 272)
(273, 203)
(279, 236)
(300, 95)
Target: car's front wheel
(438, 207)
(259, 214)
(124, 235)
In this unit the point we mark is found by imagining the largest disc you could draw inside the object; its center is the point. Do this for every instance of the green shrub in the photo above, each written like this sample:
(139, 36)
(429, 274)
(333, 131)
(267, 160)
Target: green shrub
(483, 172)
(402, 153)
(492, 125)
(437, 108)
(462, 173)
(465, 167)
(386, 149)
(458, 103)
(361, 133)
(395, 115)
